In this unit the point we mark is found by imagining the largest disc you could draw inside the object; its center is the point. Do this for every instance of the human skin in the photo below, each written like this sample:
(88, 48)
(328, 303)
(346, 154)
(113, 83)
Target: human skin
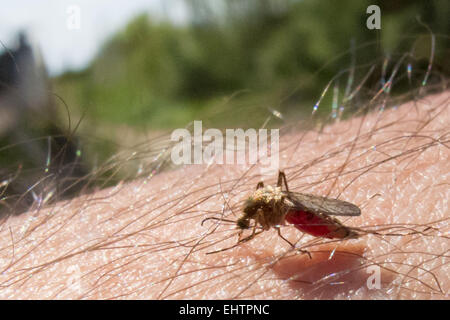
(145, 239)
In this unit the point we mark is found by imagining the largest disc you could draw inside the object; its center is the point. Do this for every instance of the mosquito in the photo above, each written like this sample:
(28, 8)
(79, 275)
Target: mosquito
(271, 207)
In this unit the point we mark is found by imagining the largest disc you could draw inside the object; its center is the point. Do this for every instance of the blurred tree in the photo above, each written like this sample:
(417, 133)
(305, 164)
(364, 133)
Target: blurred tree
(159, 74)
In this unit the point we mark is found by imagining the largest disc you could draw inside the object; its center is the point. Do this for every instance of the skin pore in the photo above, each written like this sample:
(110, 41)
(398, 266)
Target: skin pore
(145, 239)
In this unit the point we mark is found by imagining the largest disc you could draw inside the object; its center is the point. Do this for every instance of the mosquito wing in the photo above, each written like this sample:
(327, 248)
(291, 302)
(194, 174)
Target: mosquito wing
(316, 204)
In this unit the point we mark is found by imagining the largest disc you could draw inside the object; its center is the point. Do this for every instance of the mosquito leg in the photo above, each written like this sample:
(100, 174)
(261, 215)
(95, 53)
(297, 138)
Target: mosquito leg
(250, 237)
(281, 179)
(281, 236)
(279, 182)
(218, 219)
(224, 249)
(292, 245)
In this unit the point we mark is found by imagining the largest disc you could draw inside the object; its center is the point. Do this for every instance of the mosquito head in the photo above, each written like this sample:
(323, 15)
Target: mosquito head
(250, 208)
(243, 222)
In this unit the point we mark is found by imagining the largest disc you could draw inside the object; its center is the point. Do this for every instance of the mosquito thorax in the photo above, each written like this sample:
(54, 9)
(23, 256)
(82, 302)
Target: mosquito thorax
(267, 195)
(261, 199)
(264, 199)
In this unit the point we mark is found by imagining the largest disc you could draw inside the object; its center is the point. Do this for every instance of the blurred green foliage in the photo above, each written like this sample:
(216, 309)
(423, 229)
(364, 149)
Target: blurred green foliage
(155, 74)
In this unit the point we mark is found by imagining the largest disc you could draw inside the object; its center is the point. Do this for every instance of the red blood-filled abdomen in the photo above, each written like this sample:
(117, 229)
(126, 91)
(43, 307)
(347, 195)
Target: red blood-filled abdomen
(315, 225)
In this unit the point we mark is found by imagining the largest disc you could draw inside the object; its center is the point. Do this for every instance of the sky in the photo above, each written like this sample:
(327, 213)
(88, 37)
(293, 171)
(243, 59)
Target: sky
(69, 33)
